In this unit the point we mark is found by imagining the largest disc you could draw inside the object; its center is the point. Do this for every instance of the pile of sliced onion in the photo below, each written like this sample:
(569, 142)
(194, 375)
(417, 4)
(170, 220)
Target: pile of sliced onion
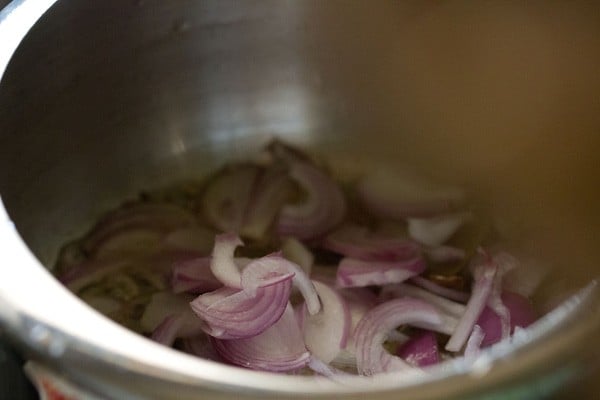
(311, 285)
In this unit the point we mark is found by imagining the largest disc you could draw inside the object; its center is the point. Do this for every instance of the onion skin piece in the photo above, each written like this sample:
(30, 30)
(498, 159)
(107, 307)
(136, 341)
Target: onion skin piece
(420, 350)
(323, 209)
(372, 330)
(278, 349)
(326, 332)
(358, 273)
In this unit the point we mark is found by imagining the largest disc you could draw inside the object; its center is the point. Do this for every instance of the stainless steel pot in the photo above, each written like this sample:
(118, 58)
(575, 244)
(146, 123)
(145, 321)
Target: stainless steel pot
(102, 99)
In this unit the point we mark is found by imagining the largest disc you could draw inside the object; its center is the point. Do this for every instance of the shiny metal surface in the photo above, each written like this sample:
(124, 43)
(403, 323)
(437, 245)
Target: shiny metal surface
(105, 98)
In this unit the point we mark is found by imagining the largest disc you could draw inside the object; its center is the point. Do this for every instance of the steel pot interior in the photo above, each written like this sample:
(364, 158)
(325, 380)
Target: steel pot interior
(103, 99)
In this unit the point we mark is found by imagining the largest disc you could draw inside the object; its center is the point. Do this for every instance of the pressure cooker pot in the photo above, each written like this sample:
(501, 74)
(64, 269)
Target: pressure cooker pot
(100, 100)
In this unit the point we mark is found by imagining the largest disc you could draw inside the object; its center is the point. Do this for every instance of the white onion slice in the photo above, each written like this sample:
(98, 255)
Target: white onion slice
(505, 263)
(175, 326)
(298, 253)
(279, 348)
(325, 369)
(434, 231)
(323, 208)
(272, 189)
(326, 332)
(357, 273)
(398, 195)
(129, 242)
(484, 278)
(372, 331)
(223, 265)
(443, 304)
(451, 294)
(473, 346)
(162, 305)
(227, 195)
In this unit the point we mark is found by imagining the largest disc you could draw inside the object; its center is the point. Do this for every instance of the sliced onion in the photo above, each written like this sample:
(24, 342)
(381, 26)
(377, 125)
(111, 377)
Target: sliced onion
(473, 347)
(435, 231)
(396, 195)
(272, 189)
(420, 350)
(223, 265)
(298, 253)
(158, 217)
(129, 242)
(445, 254)
(198, 239)
(194, 276)
(521, 312)
(443, 304)
(326, 332)
(227, 196)
(325, 369)
(175, 326)
(358, 242)
(234, 314)
(372, 330)
(161, 306)
(266, 271)
(323, 208)
(357, 273)
(102, 303)
(451, 294)
(358, 301)
(279, 348)
(484, 278)
(505, 263)
(200, 346)
(274, 268)
(91, 271)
